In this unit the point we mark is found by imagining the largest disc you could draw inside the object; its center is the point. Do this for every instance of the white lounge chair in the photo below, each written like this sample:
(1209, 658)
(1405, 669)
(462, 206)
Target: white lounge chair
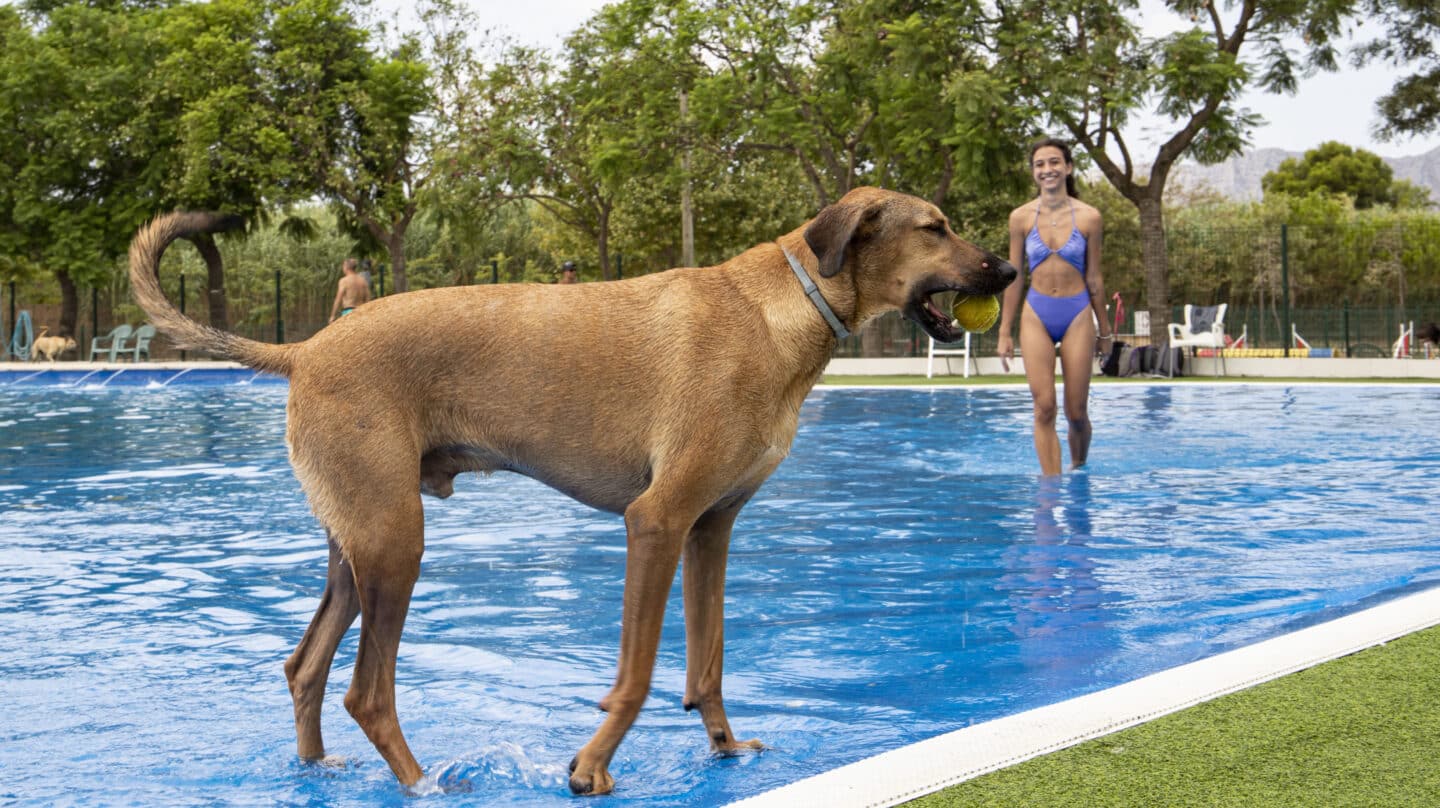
(1204, 327)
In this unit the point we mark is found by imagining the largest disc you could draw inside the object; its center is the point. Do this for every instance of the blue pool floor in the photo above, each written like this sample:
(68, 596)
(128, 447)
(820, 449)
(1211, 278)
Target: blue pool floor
(905, 573)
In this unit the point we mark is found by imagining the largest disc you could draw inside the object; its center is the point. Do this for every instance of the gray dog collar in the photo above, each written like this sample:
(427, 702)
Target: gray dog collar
(813, 292)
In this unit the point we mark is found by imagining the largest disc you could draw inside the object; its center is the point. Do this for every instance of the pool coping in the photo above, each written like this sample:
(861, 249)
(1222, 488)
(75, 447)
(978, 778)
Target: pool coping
(913, 771)
(102, 374)
(127, 374)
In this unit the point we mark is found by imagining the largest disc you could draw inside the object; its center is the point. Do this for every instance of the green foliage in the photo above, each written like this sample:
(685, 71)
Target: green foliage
(1412, 28)
(439, 161)
(1232, 252)
(1335, 168)
(122, 110)
(73, 137)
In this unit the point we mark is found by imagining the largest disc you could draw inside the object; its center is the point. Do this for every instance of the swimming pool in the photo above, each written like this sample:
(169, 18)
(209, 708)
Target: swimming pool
(903, 574)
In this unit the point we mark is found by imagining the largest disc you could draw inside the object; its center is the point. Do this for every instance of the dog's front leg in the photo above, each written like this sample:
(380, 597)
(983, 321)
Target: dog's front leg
(706, 553)
(654, 538)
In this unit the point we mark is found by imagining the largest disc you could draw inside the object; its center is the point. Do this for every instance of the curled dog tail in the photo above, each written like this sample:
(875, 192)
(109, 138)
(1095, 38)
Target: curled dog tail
(145, 251)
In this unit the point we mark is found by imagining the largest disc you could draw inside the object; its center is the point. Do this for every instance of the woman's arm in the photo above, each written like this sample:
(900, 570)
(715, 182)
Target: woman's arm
(1095, 279)
(1011, 303)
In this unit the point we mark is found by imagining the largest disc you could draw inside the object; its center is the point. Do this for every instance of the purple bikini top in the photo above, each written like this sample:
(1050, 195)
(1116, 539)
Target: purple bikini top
(1073, 250)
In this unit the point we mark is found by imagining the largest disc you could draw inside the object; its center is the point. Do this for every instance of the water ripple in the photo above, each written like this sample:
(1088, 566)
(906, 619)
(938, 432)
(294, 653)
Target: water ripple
(903, 574)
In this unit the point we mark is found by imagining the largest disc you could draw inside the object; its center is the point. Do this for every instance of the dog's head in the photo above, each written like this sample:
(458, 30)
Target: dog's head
(902, 254)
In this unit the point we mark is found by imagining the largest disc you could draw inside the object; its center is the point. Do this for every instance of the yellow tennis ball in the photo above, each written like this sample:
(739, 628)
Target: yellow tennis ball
(976, 314)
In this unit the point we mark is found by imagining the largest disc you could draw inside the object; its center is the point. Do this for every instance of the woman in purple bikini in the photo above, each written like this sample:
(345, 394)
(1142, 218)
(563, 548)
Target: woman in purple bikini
(1058, 237)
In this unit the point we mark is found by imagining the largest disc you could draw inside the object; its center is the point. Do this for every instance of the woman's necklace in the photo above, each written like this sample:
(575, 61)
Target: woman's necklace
(1054, 212)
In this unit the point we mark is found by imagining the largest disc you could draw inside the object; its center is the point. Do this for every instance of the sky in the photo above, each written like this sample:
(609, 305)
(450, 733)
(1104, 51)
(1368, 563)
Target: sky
(1330, 106)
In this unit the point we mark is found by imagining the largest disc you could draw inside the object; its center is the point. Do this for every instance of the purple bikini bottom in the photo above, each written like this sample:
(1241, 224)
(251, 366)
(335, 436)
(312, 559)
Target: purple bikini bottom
(1057, 313)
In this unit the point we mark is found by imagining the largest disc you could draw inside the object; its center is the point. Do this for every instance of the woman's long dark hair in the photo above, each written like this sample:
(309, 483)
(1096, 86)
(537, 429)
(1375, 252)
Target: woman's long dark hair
(1069, 161)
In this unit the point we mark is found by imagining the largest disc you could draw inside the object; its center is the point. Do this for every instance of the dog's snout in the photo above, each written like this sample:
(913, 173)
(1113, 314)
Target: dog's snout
(1005, 270)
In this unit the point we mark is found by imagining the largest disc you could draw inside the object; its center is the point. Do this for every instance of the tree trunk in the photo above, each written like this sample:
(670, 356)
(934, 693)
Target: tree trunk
(687, 205)
(215, 275)
(1156, 259)
(942, 187)
(395, 247)
(69, 304)
(602, 240)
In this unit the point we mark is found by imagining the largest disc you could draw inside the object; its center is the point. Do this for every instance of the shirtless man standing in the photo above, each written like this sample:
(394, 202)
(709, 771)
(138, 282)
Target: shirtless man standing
(351, 293)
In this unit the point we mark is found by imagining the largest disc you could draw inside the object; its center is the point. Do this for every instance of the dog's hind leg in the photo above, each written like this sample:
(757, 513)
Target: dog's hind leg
(706, 553)
(386, 562)
(308, 669)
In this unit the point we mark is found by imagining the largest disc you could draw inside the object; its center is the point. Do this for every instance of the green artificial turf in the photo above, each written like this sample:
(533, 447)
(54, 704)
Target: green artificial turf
(1363, 730)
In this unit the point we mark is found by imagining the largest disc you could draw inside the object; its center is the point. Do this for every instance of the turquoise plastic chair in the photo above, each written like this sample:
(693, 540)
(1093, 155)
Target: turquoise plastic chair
(110, 344)
(141, 345)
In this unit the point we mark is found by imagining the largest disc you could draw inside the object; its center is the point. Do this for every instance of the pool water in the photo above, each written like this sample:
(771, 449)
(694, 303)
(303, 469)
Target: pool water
(905, 573)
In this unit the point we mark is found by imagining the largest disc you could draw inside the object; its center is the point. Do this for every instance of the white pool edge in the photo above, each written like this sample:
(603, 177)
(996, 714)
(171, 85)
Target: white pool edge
(922, 768)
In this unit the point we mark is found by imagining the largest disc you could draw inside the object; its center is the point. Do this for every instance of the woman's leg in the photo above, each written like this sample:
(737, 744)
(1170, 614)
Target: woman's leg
(1038, 351)
(1077, 363)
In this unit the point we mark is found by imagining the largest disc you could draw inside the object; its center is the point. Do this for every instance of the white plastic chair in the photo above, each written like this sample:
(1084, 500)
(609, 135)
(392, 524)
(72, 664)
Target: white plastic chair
(947, 350)
(1204, 327)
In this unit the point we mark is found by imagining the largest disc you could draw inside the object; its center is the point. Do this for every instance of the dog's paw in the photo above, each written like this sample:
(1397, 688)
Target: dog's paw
(738, 747)
(327, 766)
(590, 780)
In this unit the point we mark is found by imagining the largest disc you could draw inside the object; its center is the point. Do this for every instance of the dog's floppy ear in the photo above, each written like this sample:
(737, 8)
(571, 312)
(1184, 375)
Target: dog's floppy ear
(832, 231)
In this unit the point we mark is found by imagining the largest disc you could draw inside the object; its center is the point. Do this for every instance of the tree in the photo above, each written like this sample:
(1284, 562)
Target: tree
(801, 100)
(536, 139)
(75, 160)
(1412, 28)
(380, 141)
(125, 110)
(16, 45)
(572, 136)
(206, 125)
(884, 92)
(1335, 168)
(1083, 66)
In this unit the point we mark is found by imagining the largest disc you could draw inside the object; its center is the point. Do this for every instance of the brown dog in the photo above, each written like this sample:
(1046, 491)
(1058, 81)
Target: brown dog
(50, 347)
(668, 398)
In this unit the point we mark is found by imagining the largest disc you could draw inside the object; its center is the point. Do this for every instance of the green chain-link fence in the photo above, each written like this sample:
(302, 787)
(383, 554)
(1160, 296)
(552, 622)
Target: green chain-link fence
(1348, 287)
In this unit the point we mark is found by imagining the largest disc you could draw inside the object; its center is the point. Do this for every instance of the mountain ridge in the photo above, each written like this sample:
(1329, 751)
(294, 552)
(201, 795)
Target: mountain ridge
(1239, 177)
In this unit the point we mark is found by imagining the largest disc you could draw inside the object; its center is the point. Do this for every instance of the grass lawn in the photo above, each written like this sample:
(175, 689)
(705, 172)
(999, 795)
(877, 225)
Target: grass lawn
(1362, 730)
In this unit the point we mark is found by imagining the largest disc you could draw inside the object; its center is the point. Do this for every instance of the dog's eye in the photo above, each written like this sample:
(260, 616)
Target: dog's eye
(936, 227)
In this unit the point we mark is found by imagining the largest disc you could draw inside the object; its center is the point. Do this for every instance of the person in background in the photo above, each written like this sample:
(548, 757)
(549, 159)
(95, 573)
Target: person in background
(1059, 238)
(352, 291)
(568, 273)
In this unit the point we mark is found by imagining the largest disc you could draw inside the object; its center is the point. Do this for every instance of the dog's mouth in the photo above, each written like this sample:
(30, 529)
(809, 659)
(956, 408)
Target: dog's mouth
(930, 304)
(931, 311)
